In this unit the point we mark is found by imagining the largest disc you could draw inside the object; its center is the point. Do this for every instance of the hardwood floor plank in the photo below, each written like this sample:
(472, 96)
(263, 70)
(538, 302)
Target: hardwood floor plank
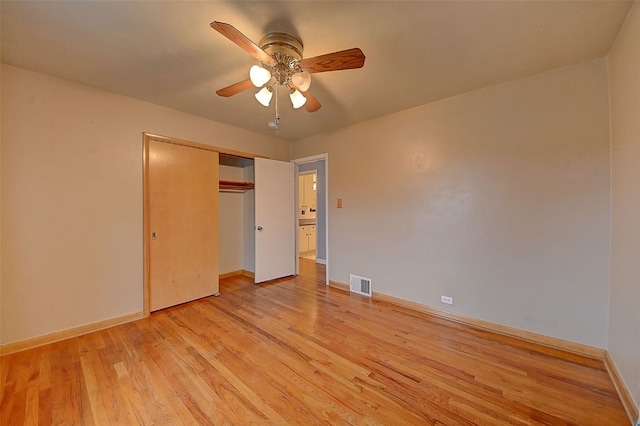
(294, 351)
(200, 346)
(44, 403)
(32, 403)
(206, 402)
(17, 414)
(164, 380)
(7, 401)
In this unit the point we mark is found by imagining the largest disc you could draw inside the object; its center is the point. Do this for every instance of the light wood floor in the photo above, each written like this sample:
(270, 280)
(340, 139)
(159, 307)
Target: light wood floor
(296, 352)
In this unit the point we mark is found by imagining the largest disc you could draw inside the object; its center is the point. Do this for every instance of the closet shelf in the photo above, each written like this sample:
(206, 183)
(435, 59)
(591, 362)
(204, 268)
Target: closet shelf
(230, 185)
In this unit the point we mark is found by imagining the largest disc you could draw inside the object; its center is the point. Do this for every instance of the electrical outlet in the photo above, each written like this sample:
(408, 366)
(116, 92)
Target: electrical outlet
(446, 299)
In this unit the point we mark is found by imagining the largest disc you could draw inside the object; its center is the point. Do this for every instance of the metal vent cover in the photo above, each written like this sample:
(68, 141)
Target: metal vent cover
(360, 285)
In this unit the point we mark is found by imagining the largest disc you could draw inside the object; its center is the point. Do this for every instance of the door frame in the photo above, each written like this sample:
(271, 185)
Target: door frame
(299, 161)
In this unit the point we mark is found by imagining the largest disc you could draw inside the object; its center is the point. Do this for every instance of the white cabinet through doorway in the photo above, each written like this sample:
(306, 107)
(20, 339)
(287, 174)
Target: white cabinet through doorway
(307, 196)
(307, 235)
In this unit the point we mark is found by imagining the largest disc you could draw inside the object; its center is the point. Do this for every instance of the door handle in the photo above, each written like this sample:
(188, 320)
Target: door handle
(259, 228)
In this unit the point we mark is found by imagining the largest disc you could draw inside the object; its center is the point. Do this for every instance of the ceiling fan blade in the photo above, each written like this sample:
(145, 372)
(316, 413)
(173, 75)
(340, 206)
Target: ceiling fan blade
(343, 60)
(230, 32)
(235, 88)
(312, 104)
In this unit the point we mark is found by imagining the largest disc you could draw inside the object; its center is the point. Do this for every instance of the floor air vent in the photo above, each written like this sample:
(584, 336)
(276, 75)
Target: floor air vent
(360, 285)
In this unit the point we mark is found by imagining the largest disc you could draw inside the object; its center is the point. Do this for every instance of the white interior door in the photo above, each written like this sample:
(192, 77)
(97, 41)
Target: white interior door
(275, 220)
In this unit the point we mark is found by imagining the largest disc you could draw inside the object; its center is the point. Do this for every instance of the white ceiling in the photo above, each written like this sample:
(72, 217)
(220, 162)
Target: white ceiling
(417, 51)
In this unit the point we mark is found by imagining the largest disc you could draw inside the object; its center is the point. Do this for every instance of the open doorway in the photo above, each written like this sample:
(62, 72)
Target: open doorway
(307, 214)
(312, 217)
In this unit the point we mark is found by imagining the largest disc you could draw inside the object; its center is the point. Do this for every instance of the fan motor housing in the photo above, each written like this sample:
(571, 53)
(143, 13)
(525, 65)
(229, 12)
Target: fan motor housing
(283, 43)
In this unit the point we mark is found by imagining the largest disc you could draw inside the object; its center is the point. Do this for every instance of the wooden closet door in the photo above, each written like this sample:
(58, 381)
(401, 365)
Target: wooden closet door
(183, 219)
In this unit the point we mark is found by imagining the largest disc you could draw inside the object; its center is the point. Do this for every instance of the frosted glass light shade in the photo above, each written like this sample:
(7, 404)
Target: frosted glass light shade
(264, 96)
(302, 80)
(259, 76)
(297, 99)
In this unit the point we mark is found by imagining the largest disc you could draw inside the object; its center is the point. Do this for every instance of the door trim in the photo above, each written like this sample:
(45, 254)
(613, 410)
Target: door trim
(183, 142)
(311, 159)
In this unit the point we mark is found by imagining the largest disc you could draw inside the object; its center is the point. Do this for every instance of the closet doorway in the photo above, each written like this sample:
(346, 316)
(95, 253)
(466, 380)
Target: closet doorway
(181, 246)
(312, 216)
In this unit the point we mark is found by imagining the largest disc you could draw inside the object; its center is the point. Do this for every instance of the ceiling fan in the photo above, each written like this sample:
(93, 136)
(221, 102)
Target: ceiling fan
(282, 64)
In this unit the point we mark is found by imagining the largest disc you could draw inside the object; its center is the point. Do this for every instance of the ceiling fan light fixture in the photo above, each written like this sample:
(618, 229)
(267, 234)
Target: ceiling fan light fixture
(281, 63)
(302, 80)
(297, 99)
(259, 76)
(264, 96)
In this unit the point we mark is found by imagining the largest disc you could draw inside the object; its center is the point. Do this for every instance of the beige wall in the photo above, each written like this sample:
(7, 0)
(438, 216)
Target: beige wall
(232, 229)
(498, 198)
(72, 198)
(624, 82)
(0, 202)
(249, 211)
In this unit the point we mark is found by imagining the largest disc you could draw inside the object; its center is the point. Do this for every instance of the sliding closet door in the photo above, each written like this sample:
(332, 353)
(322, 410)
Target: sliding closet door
(183, 219)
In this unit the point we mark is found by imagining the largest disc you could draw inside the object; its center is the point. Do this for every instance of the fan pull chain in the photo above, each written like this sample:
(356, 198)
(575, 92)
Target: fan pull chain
(276, 123)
